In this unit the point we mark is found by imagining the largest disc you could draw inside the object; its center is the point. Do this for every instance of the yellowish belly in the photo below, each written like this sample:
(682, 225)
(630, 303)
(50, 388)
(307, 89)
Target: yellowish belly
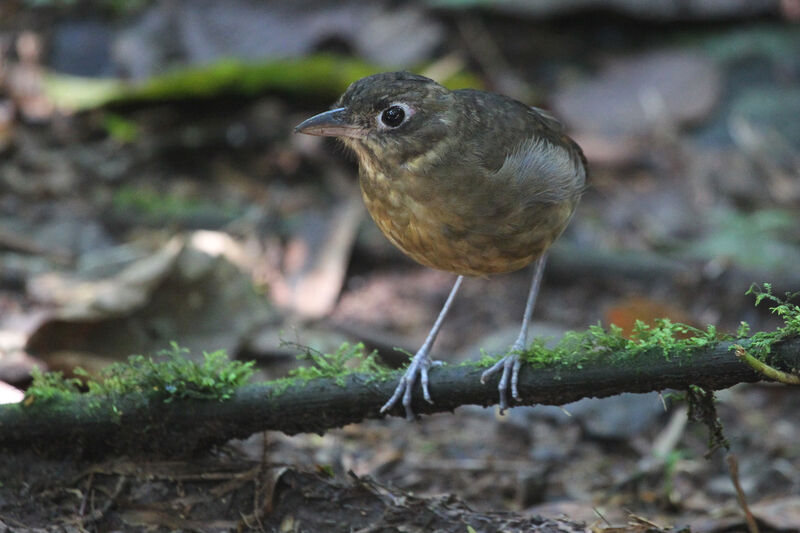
(445, 240)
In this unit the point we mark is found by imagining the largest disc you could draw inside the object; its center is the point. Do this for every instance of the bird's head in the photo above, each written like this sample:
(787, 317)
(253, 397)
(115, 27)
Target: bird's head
(387, 118)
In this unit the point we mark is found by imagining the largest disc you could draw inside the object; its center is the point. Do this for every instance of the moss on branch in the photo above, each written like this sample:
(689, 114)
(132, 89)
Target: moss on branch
(175, 406)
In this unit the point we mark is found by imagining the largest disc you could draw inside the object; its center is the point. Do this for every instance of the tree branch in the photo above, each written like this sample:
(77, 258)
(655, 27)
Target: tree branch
(139, 423)
(567, 262)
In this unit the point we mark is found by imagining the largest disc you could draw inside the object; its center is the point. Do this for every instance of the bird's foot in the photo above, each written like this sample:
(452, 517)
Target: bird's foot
(510, 364)
(419, 366)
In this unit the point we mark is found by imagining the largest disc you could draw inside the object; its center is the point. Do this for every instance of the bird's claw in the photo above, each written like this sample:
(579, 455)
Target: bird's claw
(419, 366)
(510, 364)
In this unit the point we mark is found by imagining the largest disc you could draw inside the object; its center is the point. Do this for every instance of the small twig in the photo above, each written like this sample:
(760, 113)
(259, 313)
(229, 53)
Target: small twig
(82, 509)
(733, 468)
(640, 523)
(95, 514)
(265, 481)
(764, 369)
(598, 513)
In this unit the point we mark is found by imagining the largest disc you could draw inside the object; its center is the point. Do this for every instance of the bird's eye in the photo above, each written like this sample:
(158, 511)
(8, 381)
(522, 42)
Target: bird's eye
(393, 116)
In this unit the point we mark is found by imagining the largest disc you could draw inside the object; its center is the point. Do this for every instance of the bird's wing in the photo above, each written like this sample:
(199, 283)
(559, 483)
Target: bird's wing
(542, 171)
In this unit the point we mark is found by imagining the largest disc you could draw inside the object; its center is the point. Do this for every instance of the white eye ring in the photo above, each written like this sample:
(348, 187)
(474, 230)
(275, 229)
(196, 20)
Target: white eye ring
(404, 112)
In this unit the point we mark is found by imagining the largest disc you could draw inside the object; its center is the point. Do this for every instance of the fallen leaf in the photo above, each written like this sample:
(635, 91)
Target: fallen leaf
(782, 514)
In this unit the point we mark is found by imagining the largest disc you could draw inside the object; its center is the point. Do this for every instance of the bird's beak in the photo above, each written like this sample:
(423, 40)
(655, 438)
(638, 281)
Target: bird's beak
(331, 123)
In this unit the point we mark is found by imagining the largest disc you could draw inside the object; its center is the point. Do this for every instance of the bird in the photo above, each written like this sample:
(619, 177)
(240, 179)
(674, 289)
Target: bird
(466, 181)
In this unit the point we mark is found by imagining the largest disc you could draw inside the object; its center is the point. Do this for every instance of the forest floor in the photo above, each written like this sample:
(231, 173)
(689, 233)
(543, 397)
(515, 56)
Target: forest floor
(692, 140)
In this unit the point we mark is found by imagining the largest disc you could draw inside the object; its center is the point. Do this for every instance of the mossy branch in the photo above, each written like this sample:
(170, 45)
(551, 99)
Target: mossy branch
(141, 422)
(177, 406)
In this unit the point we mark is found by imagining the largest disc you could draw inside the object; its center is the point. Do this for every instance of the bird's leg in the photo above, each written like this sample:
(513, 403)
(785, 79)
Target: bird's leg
(511, 363)
(421, 362)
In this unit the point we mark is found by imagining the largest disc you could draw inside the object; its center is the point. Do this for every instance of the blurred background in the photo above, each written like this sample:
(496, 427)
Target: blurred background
(151, 190)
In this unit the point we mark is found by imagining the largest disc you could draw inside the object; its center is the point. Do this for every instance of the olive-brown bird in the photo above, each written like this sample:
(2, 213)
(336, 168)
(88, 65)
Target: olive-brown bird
(466, 181)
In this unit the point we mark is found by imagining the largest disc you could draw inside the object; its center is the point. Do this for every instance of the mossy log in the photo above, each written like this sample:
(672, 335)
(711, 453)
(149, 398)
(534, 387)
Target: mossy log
(138, 424)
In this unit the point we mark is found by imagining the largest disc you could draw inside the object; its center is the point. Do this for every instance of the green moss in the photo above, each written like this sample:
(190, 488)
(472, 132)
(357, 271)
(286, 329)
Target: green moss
(598, 344)
(121, 129)
(157, 206)
(743, 330)
(50, 386)
(323, 75)
(169, 376)
(762, 341)
(347, 359)
(315, 74)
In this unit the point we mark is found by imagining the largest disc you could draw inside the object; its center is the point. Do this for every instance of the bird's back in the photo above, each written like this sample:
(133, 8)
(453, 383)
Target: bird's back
(497, 127)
